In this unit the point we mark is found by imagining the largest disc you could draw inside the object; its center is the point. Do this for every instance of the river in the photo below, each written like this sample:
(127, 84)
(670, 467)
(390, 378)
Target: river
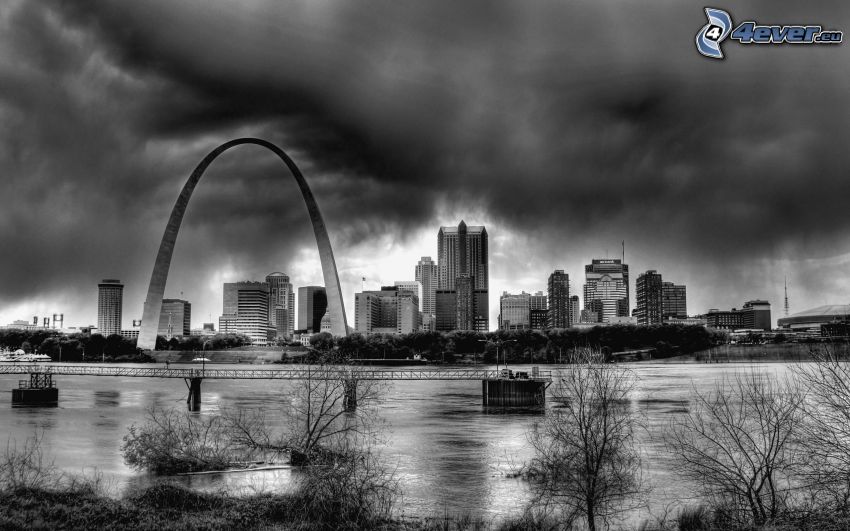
(451, 455)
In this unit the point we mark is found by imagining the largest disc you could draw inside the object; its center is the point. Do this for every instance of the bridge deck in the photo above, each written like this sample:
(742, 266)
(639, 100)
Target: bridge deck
(330, 373)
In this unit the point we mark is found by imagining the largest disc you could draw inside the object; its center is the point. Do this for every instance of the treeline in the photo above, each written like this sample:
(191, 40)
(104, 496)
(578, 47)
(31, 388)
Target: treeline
(96, 347)
(524, 345)
(216, 342)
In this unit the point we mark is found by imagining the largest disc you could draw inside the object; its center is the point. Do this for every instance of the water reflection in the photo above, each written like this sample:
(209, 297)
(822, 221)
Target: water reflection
(451, 453)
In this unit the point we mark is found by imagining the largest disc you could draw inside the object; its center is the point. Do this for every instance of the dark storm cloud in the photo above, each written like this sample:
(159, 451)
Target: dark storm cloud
(574, 123)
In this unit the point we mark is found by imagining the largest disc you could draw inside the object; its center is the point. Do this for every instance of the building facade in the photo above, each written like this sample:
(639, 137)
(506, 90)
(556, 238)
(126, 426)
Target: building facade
(389, 310)
(175, 319)
(110, 301)
(674, 302)
(514, 311)
(246, 311)
(606, 289)
(559, 299)
(575, 310)
(281, 305)
(463, 269)
(312, 305)
(649, 298)
(427, 275)
(755, 315)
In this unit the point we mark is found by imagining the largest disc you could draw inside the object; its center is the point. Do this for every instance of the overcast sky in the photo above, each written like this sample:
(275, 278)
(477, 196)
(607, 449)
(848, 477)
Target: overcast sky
(564, 127)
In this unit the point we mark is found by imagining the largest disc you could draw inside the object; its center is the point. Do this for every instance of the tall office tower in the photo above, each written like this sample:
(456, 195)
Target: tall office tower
(426, 275)
(606, 289)
(575, 310)
(462, 269)
(514, 311)
(312, 305)
(175, 319)
(649, 307)
(538, 311)
(246, 310)
(559, 300)
(389, 310)
(110, 299)
(674, 301)
(281, 305)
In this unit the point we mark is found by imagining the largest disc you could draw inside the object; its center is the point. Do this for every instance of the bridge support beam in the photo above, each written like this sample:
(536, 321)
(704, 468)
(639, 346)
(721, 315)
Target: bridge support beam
(504, 392)
(194, 398)
(38, 390)
(349, 400)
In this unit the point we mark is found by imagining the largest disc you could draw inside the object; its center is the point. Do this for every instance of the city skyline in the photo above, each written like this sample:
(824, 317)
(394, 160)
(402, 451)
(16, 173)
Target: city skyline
(561, 149)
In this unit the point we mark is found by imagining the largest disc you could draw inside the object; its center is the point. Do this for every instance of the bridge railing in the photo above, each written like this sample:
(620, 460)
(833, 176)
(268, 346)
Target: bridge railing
(301, 373)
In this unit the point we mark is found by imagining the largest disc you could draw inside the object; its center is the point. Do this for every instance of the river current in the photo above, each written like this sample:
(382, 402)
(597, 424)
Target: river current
(451, 454)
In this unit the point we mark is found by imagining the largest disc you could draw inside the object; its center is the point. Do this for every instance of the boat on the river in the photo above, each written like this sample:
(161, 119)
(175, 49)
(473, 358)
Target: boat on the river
(19, 356)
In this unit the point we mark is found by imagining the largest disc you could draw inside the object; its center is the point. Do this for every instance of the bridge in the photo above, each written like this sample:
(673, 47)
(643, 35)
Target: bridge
(522, 390)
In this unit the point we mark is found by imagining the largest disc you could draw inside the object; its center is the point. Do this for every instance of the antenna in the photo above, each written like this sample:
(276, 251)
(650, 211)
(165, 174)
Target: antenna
(624, 251)
(786, 296)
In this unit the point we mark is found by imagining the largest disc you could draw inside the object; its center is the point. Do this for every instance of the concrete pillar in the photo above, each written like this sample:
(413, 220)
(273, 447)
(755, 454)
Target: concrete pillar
(503, 392)
(194, 398)
(349, 400)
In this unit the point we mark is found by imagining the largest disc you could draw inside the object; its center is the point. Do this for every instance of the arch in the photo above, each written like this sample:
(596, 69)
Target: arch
(156, 288)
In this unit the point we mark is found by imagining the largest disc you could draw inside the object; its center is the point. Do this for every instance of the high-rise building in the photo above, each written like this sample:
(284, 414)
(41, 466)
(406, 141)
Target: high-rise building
(426, 275)
(649, 298)
(559, 299)
(575, 310)
(463, 269)
(674, 301)
(110, 297)
(606, 289)
(175, 319)
(246, 310)
(389, 310)
(312, 305)
(281, 305)
(514, 311)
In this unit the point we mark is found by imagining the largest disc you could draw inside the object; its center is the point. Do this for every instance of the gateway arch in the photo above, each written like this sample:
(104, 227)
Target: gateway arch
(153, 301)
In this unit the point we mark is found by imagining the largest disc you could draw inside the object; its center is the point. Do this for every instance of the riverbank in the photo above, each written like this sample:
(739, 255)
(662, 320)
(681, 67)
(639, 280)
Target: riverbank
(771, 352)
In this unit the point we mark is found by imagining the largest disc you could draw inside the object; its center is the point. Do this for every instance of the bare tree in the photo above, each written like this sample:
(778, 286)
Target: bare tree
(321, 412)
(738, 445)
(25, 466)
(826, 431)
(587, 464)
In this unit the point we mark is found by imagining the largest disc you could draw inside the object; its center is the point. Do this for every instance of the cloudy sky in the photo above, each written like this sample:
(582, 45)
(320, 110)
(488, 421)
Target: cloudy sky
(564, 126)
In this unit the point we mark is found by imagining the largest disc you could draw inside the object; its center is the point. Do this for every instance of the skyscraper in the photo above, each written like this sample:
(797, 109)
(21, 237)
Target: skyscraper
(674, 301)
(463, 277)
(281, 305)
(426, 275)
(175, 319)
(559, 299)
(312, 305)
(649, 307)
(110, 297)
(606, 289)
(575, 310)
(246, 310)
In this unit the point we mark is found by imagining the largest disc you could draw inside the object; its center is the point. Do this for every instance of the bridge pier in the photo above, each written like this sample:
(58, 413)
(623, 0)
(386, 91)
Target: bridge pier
(38, 390)
(194, 398)
(349, 399)
(506, 392)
